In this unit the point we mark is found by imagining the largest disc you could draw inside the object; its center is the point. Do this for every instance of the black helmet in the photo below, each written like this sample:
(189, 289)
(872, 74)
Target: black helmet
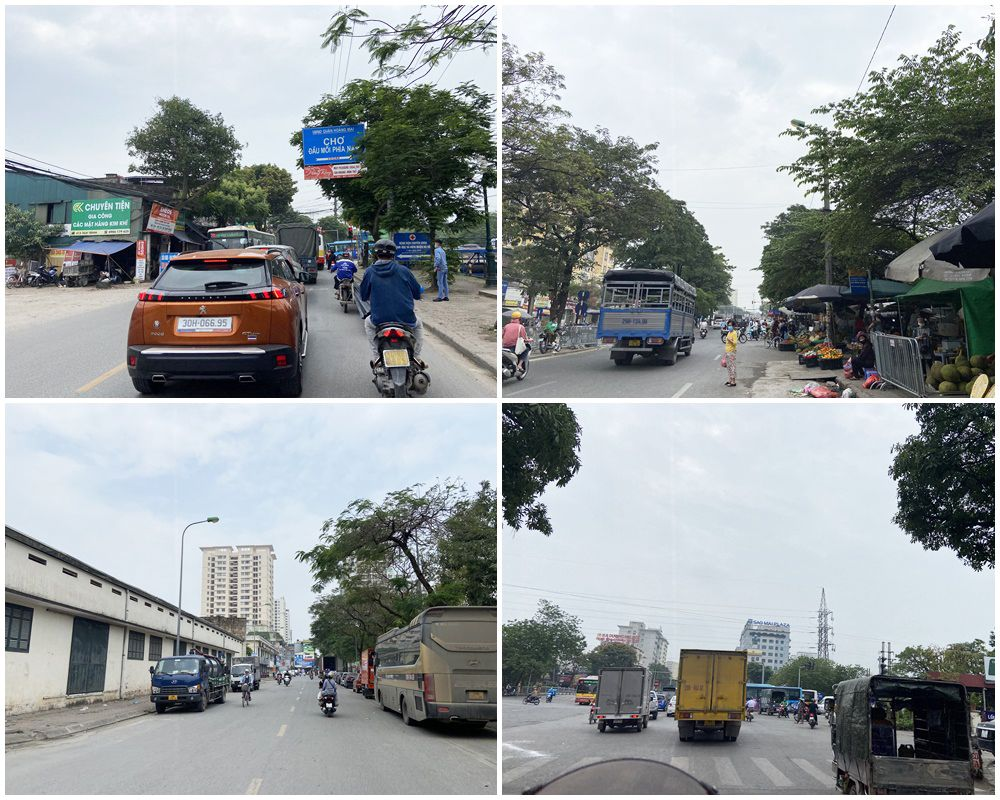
(384, 247)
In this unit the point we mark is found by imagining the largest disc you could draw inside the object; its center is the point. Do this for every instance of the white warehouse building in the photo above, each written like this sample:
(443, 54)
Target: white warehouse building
(78, 635)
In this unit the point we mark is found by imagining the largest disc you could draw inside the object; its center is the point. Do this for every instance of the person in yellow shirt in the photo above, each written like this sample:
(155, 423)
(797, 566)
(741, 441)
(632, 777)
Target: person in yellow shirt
(731, 340)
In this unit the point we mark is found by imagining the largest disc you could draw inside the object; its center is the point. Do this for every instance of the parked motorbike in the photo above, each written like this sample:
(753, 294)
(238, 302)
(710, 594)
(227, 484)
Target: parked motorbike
(396, 373)
(328, 703)
(508, 365)
(43, 277)
(532, 700)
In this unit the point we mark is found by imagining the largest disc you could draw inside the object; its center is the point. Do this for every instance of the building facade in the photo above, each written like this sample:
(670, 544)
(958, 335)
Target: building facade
(766, 643)
(650, 643)
(281, 620)
(78, 635)
(239, 582)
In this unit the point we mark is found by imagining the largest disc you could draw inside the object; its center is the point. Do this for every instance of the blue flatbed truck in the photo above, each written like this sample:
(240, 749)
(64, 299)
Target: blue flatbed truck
(648, 313)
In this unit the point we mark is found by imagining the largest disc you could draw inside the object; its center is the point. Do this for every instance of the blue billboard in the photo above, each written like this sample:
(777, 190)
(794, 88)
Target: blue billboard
(411, 246)
(331, 144)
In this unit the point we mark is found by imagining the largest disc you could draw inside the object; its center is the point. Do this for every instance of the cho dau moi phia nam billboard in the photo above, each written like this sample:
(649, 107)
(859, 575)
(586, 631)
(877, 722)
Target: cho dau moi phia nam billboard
(107, 217)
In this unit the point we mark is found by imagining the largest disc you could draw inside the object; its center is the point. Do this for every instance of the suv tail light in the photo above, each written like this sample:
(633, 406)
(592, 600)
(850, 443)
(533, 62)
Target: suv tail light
(429, 695)
(274, 293)
(151, 297)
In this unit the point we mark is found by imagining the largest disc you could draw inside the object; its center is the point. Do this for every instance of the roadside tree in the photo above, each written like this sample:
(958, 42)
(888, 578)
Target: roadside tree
(611, 654)
(536, 648)
(541, 443)
(24, 235)
(816, 673)
(946, 481)
(190, 147)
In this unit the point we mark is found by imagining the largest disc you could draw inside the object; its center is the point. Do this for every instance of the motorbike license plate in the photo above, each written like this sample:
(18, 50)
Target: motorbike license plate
(396, 358)
(329, 705)
(204, 324)
(476, 695)
(171, 697)
(634, 343)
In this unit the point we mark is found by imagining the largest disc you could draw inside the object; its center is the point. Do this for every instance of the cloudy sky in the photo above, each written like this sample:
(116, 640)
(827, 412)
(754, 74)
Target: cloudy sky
(114, 485)
(715, 85)
(100, 70)
(693, 518)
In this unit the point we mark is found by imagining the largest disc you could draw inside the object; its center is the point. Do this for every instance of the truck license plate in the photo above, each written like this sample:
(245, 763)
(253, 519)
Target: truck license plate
(476, 695)
(395, 358)
(202, 324)
(635, 342)
(171, 697)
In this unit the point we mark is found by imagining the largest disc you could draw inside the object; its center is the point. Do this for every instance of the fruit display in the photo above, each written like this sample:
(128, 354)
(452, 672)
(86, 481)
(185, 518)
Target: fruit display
(964, 376)
(829, 353)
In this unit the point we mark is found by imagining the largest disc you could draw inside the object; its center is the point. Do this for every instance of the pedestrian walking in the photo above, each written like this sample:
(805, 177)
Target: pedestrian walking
(441, 270)
(731, 340)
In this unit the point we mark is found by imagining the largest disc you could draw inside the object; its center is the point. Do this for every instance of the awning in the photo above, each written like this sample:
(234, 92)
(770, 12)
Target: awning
(971, 244)
(185, 238)
(977, 307)
(97, 248)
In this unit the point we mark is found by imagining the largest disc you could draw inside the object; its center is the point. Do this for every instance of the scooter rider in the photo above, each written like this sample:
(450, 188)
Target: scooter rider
(550, 694)
(513, 331)
(328, 687)
(345, 270)
(288, 677)
(391, 289)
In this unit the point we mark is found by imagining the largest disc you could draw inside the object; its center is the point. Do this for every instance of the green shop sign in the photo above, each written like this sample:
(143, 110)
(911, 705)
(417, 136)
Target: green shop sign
(107, 217)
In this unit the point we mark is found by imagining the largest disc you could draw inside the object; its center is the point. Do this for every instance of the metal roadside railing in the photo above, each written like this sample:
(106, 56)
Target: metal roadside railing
(579, 336)
(897, 359)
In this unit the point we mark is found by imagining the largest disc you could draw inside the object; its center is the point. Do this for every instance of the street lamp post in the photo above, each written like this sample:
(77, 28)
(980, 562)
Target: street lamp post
(491, 259)
(180, 588)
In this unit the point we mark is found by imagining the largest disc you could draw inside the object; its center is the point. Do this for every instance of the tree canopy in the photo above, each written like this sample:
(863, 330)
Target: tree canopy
(24, 235)
(389, 559)
(911, 155)
(960, 658)
(541, 442)
(427, 42)
(946, 479)
(190, 147)
(425, 153)
(536, 648)
(608, 655)
(816, 673)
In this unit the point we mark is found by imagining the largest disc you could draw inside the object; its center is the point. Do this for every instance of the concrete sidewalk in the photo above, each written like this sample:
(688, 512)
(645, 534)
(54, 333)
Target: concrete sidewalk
(467, 322)
(57, 723)
(784, 376)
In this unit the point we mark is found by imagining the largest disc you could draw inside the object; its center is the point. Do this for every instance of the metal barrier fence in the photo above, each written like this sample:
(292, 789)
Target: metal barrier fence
(577, 336)
(897, 359)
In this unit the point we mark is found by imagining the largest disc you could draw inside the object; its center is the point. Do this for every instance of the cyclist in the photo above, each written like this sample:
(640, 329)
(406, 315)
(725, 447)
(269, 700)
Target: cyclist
(246, 683)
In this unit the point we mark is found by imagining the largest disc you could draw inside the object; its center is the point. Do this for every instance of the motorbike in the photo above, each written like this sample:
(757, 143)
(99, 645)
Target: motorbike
(782, 711)
(43, 277)
(509, 693)
(287, 680)
(548, 698)
(703, 333)
(328, 703)
(396, 374)
(532, 700)
(345, 294)
(749, 715)
(508, 365)
(812, 720)
(550, 340)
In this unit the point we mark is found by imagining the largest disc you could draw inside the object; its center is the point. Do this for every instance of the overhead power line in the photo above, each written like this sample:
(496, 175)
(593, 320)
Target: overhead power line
(870, 60)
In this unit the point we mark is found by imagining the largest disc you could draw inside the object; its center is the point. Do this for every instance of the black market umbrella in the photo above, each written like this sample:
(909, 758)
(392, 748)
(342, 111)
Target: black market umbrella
(815, 295)
(971, 244)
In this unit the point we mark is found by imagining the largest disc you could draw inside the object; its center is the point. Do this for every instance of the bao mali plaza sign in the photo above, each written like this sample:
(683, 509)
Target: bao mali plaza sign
(107, 217)
(331, 144)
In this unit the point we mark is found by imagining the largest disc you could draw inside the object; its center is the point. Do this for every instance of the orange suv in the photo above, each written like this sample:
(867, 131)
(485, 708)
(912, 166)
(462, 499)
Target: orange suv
(221, 315)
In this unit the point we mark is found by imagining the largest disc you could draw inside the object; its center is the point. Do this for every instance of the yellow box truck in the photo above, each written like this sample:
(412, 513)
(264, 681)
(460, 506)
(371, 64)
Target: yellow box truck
(711, 693)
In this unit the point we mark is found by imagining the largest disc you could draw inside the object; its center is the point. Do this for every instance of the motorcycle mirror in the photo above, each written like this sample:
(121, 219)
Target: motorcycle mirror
(625, 776)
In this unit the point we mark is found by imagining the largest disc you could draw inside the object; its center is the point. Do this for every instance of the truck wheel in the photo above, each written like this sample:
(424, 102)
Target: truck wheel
(407, 719)
(653, 715)
(221, 698)
(671, 357)
(160, 707)
(645, 722)
(601, 726)
(623, 361)
(202, 702)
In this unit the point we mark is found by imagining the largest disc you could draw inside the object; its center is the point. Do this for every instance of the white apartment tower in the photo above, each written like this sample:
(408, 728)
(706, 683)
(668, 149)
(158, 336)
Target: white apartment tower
(281, 623)
(239, 582)
(766, 642)
(651, 645)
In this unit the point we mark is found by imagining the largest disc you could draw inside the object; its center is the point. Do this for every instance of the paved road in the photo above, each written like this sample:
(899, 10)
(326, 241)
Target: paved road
(592, 373)
(83, 356)
(771, 756)
(281, 744)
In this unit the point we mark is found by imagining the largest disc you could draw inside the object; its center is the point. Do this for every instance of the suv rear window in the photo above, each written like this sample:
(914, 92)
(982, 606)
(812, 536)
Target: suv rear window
(213, 275)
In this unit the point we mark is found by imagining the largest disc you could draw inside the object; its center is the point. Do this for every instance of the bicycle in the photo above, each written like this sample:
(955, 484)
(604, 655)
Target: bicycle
(246, 696)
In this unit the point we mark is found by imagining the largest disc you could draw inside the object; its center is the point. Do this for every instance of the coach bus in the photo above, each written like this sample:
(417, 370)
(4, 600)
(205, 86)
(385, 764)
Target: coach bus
(441, 666)
(239, 236)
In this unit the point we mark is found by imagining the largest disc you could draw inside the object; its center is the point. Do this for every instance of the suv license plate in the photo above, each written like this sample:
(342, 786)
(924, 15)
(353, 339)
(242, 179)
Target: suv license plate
(171, 697)
(476, 695)
(635, 342)
(204, 324)
(396, 358)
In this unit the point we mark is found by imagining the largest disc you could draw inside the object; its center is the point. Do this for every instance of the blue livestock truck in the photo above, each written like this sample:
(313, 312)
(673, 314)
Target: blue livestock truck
(648, 313)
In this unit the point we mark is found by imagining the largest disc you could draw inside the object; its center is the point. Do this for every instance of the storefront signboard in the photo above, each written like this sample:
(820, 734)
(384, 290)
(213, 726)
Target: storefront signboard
(111, 216)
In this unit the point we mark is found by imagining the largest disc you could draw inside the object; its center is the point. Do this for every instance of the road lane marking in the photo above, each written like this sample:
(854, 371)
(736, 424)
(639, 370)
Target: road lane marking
(132, 724)
(681, 762)
(528, 388)
(282, 729)
(717, 357)
(511, 775)
(254, 786)
(728, 776)
(814, 771)
(772, 772)
(482, 759)
(683, 389)
(523, 752)
(101, 378)
(291, 710)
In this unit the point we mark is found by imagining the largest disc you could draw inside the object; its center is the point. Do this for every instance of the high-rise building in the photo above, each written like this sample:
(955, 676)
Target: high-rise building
(239, 582)
(766, 643)
(648, 642)
(281, 622)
